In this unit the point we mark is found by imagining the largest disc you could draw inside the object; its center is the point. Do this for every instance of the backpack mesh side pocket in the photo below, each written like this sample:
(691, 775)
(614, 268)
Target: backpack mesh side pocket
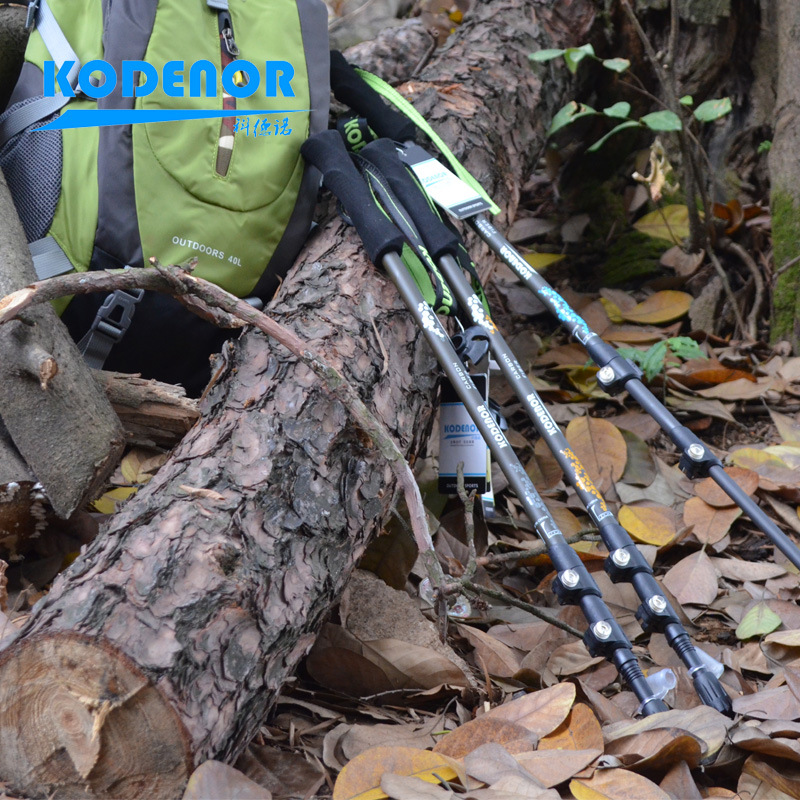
(31, 162)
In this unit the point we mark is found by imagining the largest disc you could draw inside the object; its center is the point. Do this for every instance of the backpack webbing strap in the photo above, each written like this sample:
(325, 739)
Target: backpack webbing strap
(16, 120)
(395, 98)
(113, 319)
(49, 259)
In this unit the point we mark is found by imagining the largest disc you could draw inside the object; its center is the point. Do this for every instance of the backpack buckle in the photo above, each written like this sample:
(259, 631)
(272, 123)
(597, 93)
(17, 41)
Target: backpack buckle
(122, 301)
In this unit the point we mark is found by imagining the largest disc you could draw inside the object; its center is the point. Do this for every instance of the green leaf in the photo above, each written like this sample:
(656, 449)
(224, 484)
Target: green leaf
(574, 55)
(713, 109)
(600, 142)
(764, 147)
(567, 115)
(616, 64)
(758, 621)
(662, 121)
(653, 361)
(685, 348)
(546, 55)
(686, 100)
(619, 110)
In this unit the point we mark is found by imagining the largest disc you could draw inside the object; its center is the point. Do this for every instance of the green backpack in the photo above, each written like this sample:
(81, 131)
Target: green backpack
(231, 191)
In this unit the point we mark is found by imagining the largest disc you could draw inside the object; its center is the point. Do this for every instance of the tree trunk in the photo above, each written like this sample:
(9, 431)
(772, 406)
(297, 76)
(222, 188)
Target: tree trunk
(785, 177)
(166, 641)
(57, 416)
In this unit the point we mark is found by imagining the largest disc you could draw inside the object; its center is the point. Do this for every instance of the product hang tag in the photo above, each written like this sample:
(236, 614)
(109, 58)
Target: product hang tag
(460, 440)
(445, 188)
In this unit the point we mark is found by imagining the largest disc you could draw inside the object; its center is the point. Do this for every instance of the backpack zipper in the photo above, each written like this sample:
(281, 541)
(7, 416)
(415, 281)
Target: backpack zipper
(229, 52)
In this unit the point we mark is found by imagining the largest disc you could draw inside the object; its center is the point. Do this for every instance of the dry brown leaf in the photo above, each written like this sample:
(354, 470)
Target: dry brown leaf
(740, 389)
(616, 784)
(708, 490)
(693, 580)
(215, 779)
(552, 767)
(404, 787)
(540, 712)
(640, 467)
(709, 524)
(756, 741)
(499, 659)
(494, 765)
(579, 731)
(571, 659)
(738, 570)
(785, 778)
(600, 448)
(678, 782)
(704, 722)
(772, 704)
(700, 373)
(483, 730)
(788, 427)
(361, 778)
(660, 307)
(657, 749)
(649, 524)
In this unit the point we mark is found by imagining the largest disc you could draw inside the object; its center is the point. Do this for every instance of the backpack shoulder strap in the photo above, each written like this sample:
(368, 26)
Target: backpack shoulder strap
(17, 119)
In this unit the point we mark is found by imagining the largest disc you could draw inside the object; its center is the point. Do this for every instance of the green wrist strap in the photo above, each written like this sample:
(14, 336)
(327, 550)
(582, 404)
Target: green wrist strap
(396, 99)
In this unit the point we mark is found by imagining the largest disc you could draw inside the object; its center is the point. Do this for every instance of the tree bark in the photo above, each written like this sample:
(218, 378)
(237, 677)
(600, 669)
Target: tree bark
(58, 418)
(177, 628)
(785, 178)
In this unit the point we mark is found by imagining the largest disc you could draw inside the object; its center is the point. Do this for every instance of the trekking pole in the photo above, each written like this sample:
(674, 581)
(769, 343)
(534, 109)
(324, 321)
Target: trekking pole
(625, 562)
(384, 242)
(615, 373)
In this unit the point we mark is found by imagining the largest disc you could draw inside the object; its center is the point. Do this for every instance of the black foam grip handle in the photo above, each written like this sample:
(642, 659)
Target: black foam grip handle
(439, 239)
(327, 153)
(350, 89)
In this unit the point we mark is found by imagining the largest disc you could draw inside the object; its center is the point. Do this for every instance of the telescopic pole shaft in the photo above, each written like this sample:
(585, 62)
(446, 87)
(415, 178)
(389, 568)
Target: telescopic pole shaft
(617, 373)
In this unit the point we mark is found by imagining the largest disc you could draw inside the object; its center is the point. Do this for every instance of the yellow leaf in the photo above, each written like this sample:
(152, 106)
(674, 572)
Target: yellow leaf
(670, 223)
(107, 504)
(361, 777)
(660, 307)
(540, 261)
(612, 309)
(750, 458)
(647, 525)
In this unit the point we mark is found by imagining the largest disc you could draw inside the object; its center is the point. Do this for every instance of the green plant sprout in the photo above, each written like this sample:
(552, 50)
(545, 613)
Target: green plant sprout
(657, 121)
(663, 354)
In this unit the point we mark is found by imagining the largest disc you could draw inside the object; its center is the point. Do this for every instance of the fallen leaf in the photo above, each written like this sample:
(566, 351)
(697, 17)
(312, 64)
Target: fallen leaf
(471, 735)
(540, 712)
(758, 621)
(213, 780)
(788, 427)
(526, 228)
(660, 307)
(678, 782)
(405, 787)
(361, 778)
(498, 658)
(494, 765)
(693, 580)
(784, 778)
(708, 490)
(739, 389)
(769, 704)
(616, 784)
(649, 525)
(579, 731)
(709, 524)
(640, 468)
(552, 767)
(540, 261)
(684, 264)
(600, 448)
(703, 722)
(738, 570)
(670, 223)
(657, 749)
(756, 741)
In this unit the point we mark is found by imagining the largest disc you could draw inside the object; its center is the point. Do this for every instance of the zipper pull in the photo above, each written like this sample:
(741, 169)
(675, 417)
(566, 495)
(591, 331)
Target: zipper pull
(226, 32)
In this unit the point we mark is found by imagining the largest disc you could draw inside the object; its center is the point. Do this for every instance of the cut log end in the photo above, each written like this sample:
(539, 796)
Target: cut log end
(81, 720)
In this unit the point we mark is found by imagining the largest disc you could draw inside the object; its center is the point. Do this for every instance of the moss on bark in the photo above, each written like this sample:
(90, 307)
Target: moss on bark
(786, 294)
